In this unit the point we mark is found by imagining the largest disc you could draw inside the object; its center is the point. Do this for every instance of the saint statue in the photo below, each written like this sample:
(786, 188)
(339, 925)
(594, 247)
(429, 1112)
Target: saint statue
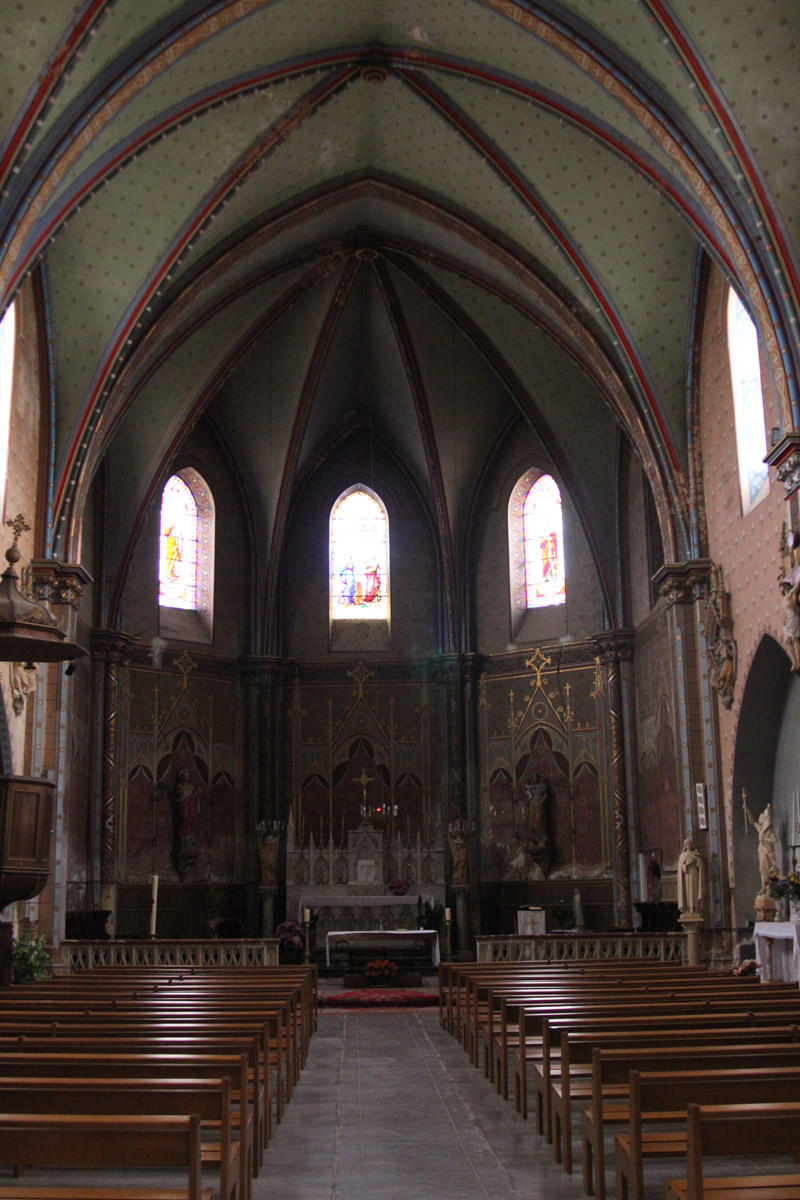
(185, 808)
(767, 841)
(690, 879)
(458, 833)
(267, 853)
(536, 795)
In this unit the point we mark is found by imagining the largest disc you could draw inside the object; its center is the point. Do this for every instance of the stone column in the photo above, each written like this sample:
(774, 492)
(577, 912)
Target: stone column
(612, 651)
(114, 650)
(265, 816)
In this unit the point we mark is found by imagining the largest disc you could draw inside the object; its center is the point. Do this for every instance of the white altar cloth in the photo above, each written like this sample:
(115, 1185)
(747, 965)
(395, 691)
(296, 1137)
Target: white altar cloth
(329, 900)
(384, 938)
(778, 950)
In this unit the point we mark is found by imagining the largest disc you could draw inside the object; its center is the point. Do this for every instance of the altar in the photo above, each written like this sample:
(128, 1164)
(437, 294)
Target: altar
(383, 943)
(778, 950)
(352, 884)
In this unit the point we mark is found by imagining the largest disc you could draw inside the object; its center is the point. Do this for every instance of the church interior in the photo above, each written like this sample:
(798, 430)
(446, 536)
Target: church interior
(401, 429)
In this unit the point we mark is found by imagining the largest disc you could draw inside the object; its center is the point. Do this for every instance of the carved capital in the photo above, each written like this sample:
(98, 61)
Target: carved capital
(269, 671)
(54, 582)
(109, 645)
(785, 458)
(684, 583)
(615, 647)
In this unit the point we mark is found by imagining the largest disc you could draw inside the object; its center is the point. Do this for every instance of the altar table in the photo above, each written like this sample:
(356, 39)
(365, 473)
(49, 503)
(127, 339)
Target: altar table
(385, 940)
(778, 950)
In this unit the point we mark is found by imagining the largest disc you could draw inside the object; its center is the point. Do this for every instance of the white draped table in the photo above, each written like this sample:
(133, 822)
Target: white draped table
(778, 950)
(385, 940)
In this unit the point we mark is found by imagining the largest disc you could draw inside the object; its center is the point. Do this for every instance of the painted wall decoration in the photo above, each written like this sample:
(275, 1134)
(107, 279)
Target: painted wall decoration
(544, 808)
(180, 760)
(659, 783)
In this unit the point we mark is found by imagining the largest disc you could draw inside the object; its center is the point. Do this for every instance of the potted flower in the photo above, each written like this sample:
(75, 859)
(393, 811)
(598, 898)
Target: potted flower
(398, 887)
(291, 941)
(748, 966)
(381, 970)
(787, 887)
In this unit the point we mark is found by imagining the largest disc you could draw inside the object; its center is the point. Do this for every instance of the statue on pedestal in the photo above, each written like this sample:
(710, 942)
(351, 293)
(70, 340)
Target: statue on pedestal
(767, 841)
(267, 853)
(690, 879)
(458, 833)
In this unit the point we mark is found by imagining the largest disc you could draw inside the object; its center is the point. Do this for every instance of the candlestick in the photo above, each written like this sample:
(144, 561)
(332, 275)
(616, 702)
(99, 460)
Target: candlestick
(153, 904)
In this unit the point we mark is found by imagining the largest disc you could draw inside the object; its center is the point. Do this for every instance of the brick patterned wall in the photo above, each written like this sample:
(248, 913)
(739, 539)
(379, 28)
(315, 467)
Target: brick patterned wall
(745, 546)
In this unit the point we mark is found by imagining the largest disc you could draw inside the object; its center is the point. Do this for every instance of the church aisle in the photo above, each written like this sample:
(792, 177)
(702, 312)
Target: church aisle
(389, 1107)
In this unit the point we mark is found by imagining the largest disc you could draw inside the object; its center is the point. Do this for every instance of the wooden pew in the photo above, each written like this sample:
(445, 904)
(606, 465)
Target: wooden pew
(153, 1066)
(586, 1032)
(738, 1129)
(59, 1140)
(611, 1071)
(120, 1042)
(210, 1099)
(663, 1098)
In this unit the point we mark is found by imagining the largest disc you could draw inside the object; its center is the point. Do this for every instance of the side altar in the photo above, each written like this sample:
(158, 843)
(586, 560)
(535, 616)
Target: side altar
(347, 882)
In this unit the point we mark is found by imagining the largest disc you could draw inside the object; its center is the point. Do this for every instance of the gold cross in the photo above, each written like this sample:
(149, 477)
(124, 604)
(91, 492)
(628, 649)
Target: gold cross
(359, 675)
(537, 663)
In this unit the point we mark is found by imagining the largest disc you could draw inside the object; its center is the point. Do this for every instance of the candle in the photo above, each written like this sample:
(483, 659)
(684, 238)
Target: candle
(306, 916)
(153, 905)
(447, 914)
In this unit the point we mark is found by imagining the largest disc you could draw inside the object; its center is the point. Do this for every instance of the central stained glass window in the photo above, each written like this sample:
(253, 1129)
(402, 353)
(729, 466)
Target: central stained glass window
(359, 557)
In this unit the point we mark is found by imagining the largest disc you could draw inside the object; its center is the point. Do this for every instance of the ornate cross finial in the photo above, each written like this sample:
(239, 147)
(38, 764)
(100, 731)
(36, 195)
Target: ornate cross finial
(19, 525)
(537, 663)
(360, 674)
(185, 663)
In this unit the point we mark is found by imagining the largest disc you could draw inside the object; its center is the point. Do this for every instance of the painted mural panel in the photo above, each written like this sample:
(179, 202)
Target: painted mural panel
(544, 810)
(181, 769)
(659, 783)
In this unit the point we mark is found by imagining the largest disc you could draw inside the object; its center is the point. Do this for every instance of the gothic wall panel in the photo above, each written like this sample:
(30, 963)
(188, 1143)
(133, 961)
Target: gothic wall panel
(659, 784)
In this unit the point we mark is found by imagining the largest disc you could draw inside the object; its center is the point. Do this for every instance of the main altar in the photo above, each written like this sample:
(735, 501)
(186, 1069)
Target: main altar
(346, 882)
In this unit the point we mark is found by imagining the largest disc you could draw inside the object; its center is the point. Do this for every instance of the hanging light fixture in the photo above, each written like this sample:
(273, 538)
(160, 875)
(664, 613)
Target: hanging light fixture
(28, 632)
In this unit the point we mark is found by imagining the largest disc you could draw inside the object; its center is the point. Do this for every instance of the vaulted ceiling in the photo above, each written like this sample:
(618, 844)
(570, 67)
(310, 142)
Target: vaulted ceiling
(294, 218)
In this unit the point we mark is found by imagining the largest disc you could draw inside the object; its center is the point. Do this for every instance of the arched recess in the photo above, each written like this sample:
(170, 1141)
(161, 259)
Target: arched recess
(769, 713)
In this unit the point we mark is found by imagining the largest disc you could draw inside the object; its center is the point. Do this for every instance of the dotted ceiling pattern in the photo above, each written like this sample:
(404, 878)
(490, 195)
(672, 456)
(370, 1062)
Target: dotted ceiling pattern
(403, 128)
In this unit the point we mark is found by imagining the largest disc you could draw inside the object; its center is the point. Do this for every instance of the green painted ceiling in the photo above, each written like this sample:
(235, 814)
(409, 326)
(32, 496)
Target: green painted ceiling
(511, 195)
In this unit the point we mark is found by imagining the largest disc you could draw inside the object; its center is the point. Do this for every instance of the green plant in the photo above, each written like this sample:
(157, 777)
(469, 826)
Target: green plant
(30, 958)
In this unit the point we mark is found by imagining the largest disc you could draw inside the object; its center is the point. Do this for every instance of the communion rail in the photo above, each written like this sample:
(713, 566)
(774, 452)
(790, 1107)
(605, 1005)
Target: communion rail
(581, 947)
(162, 952)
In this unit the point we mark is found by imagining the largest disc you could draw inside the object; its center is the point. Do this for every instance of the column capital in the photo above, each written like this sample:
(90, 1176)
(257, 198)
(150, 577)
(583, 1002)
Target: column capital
(54, 582)
(785, 458)
(684, 583)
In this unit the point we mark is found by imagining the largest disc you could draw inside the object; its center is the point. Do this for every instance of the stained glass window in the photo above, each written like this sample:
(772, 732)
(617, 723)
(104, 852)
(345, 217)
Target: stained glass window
(7, 335)
(543, 538)
(177, 569)
(748, 402)
(359, 557)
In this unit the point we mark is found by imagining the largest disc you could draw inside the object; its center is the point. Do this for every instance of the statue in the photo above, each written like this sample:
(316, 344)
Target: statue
(536, 795)
(185, 808)
(767, 841)
(691, 888)
(458, 833)
(539, 846)
(23, 682)
(791, 628)
(267, 853)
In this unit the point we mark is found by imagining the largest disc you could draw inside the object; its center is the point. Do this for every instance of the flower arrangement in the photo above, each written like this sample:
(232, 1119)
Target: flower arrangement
(748, 966)
(291, 939)
(399, 887)
(381, 968)
(786, 885)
